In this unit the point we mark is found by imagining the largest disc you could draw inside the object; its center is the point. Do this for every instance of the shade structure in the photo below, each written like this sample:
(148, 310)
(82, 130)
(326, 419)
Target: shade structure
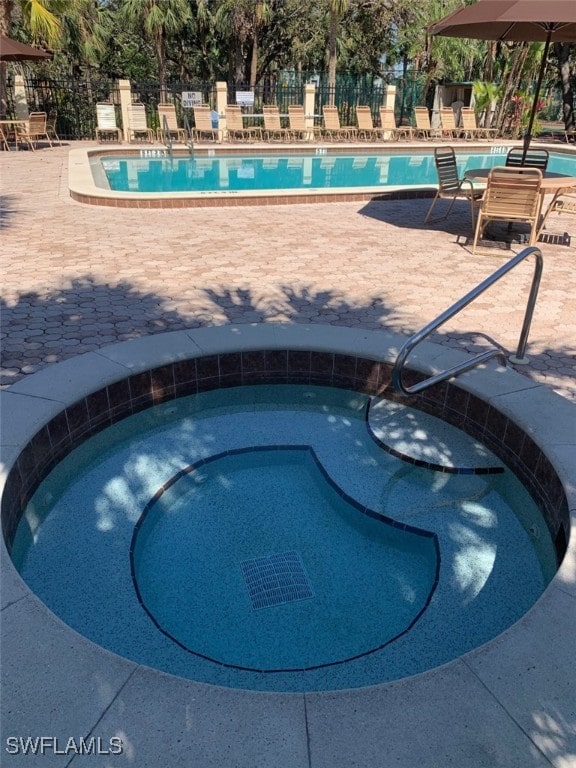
(13, 50)
(514, 20)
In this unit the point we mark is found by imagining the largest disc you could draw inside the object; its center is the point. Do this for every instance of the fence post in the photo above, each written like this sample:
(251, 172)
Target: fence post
(309, 101)
(389, 97)
(125, 103)
(221, 104)
(21, 111)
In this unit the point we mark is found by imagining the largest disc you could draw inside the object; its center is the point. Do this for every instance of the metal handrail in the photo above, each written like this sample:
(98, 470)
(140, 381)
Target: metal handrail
(189, 135)
(416, 338)
(167, 135)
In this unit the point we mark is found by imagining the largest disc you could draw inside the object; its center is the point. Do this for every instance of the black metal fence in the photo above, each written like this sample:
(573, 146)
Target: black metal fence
(72, 101)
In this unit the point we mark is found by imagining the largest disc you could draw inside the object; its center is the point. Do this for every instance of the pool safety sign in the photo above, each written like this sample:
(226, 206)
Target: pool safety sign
(191, 98)
(245, 98)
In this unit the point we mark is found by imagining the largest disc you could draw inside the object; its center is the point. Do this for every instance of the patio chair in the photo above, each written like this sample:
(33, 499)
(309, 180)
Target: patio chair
(34, 130)
(450, 186)
(449, 128)
(470, 128)
(423, 128)
(298, 126)
(533, 158)
(106, 123)
(565, 202)
(168, 123)
(137, 125)
(235, 126)
(512, 194)
(273, 130)
(332, 130)
(51, 128)
(203, 128)
(388, 127)
(366, 129)
(4, 139)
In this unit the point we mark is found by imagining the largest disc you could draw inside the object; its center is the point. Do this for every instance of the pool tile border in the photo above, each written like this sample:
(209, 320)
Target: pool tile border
(141, 390)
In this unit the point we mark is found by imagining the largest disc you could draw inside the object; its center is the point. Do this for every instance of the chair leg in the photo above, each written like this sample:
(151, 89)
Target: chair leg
(431, 206)
(479, 229)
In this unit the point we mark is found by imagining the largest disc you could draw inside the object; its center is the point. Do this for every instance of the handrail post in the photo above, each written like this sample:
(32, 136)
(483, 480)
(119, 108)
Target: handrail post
(458, 306)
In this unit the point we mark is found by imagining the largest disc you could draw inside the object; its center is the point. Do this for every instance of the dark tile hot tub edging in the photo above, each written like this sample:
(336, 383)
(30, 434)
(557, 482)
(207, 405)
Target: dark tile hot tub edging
(119, 399)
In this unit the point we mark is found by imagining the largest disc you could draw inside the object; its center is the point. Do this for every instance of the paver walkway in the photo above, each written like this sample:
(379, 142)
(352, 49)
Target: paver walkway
(78, 277)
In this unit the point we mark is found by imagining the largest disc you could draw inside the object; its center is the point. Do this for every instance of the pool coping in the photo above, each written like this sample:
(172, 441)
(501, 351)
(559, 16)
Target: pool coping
(83, 187)
(490, 707)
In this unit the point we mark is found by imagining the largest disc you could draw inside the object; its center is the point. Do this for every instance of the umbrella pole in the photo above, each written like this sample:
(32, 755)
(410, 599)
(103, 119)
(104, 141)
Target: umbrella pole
(528, 134)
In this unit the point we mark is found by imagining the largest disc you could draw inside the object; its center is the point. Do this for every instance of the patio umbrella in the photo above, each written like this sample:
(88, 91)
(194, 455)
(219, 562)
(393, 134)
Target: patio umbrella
(12, 50)
(516, 20)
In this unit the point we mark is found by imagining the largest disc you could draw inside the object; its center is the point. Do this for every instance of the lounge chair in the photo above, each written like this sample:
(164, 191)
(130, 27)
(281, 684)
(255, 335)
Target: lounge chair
(470, 128)
(532, 158)
(34, 130)
(388, 127)
(512, 194)
(106, 123)
(137, 125)
(168, 124)
(423, 128)
(203, 128)
(450, 186)
(298, 127)
(366, 129)
(449, 128)
(235, 126)
(273, 130)
(332, 130)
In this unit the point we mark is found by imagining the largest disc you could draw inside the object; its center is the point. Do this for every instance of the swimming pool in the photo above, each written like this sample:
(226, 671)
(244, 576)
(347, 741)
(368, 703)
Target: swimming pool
(285, 537)
(149, 178)
(224, 173)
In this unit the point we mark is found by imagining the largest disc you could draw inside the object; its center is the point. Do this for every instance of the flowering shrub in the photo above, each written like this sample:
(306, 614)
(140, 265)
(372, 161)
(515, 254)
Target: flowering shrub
(521, 106)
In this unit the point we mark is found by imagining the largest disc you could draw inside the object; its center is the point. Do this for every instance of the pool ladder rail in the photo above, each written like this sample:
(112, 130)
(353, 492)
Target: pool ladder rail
(518, 358)
(189, 141)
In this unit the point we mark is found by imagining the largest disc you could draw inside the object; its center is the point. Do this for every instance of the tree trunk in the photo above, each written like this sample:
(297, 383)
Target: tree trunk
(562, 51)
(159, 43)
(332, 55)
(511, 84)
(254, 61)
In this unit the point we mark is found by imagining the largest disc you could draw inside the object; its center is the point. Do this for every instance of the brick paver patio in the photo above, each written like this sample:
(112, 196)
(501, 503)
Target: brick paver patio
(79, 277)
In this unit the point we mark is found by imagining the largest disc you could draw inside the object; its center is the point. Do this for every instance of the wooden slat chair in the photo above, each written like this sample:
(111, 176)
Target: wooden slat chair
(532, 158)
(566, 202)
(388, 127)
(273, 129)
(51, 121)
(332, 130)
(470, 126)
(298, 127)
(449, 128)
(137, 125)
(235, 126)
(512, 194)
(168, 123)
(106, 123)
(366, 129)
(203, 128)
(450, 186)
(4, 139)
(423, 128)
(34, 130)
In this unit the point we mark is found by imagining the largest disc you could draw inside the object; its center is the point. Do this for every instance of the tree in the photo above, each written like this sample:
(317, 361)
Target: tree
(562, 51)
(336, 10)
(158, 19)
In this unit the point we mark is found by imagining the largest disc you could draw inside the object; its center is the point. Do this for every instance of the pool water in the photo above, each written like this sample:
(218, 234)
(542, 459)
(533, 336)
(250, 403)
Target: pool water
(239, 174)
(267, 538)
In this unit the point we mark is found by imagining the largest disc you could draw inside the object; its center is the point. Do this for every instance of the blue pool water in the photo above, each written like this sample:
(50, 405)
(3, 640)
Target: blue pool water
(239, 174)
(266, 538)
